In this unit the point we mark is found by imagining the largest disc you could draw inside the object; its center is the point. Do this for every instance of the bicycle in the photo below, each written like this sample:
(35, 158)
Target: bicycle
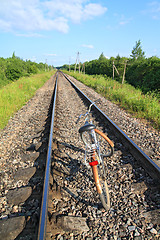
(97, 146)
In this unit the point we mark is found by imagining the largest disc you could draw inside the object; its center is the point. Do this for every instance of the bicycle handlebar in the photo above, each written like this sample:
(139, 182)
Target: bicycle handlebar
(89, 109)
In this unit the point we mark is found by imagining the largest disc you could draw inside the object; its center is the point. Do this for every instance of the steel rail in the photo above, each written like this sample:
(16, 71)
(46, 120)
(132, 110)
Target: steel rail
(44, 206)
(151, 167)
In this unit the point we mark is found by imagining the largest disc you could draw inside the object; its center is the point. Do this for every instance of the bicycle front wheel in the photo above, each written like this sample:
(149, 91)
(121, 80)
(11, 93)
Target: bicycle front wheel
(101, 185)
(104, 145)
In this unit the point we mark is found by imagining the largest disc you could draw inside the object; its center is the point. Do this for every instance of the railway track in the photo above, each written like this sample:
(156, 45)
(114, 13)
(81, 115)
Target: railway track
(74, 210)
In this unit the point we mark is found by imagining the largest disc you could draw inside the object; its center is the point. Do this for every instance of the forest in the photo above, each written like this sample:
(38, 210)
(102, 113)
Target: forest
(139, 71)
(11, 69)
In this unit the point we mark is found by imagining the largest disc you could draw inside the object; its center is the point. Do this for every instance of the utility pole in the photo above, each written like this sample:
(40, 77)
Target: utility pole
(125, 65)
(114, 67)
(77, 60)
(83, 68)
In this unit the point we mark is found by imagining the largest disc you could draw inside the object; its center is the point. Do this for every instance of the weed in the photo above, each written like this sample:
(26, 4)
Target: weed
(14, 95)
(132, 99)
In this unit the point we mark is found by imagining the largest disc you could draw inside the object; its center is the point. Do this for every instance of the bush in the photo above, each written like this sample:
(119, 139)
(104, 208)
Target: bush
(11, 69)
(144, 106)
(145, 74)
(13, 72)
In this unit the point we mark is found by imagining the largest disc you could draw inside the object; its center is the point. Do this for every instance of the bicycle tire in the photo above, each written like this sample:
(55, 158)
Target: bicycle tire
(105, 145)
(101, 185)
(103, 148)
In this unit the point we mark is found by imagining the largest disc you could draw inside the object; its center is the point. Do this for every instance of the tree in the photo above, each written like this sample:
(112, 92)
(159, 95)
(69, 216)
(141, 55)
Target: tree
(13, 55)
(137, 52)
(102, 57)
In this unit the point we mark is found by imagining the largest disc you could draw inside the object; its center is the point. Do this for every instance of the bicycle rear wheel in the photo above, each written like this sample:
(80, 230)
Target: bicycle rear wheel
(104, 145)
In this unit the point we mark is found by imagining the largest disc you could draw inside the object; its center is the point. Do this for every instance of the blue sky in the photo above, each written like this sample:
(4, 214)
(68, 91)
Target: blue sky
(53, 31)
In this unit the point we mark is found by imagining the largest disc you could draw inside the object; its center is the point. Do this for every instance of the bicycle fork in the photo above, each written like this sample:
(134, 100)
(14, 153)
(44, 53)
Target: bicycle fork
(94, 164)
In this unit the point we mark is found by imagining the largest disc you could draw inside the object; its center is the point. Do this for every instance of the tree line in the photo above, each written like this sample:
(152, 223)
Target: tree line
(11, 69)
(141, 72)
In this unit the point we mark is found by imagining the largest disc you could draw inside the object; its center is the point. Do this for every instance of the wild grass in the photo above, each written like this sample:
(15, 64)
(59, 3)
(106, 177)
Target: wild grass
(16, 94)
(126, 96)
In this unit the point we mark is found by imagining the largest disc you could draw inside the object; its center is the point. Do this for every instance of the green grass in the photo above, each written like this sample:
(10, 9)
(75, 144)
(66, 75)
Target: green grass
(16, 94)
(126, 96)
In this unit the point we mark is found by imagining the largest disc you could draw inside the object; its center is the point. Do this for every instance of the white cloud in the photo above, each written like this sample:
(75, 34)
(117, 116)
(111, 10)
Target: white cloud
(123, 20)
(47, 15)
(153, 10)
(75, 10)
(119, 21)
(93, 9)
(36, 35)
(68, 9)
(87, 46)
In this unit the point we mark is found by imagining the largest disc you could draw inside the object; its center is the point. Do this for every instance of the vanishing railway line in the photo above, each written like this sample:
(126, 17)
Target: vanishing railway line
(73, 209)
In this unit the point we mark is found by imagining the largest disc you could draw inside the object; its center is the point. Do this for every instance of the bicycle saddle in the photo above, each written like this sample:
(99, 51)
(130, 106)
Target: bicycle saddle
(87, 127)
